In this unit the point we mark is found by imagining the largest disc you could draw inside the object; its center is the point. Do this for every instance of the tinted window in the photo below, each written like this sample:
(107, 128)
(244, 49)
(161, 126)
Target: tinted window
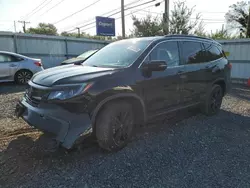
(211, 52)
(192, 52)
(8, 58)
(167, 51)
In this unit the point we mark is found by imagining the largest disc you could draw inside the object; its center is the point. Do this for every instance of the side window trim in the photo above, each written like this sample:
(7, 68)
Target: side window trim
(181, 52)
(155, 46)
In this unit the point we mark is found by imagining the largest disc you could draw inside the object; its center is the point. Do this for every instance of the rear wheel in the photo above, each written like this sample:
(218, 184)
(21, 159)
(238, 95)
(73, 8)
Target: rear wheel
(23, 76)
(213, 101)
(114, 125)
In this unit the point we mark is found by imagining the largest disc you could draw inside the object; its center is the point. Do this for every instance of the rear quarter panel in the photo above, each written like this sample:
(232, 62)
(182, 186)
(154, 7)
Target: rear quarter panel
(29, 65)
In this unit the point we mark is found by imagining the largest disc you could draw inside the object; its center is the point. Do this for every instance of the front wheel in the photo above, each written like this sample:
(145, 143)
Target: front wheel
(114, 125)
(213, 102)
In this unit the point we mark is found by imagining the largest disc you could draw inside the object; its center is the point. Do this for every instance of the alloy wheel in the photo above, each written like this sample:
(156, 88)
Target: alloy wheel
(23, 77)
(122, 127)
(216, 100)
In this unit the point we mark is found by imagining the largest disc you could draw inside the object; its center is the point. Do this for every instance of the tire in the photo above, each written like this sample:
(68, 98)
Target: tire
(114, 125)
(213, 102)
(23, 76)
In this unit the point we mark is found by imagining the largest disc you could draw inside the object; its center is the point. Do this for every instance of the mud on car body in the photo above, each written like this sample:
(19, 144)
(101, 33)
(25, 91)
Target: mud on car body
(126, 83)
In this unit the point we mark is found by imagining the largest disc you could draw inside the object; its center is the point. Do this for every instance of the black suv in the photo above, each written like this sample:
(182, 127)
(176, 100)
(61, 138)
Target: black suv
(124, 84)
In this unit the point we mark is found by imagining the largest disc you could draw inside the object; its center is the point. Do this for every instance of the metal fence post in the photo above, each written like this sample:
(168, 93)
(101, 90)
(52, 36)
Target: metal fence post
(66, 48)
(15, 42)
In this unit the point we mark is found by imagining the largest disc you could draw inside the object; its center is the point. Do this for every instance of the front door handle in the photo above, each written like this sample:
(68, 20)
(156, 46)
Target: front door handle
(12, 65)
(183, 76)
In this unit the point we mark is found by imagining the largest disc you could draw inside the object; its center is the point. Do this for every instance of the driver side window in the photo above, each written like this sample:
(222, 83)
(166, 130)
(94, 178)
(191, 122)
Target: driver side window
(167, 51)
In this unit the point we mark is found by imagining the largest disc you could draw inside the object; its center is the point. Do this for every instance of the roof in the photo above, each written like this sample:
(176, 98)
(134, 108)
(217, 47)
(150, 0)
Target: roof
(176, 36)
(188, 36)
(14, 54)
(192, 37)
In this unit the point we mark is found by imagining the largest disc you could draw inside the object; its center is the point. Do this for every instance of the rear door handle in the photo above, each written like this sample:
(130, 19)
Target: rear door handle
(180, 73)
(183, 76)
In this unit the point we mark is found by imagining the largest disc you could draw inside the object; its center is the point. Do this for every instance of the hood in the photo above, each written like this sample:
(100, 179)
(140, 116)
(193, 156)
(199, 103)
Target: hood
(70, 74)
(73, 60)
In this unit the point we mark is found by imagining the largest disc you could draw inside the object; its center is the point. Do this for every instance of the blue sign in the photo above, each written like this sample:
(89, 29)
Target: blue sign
(105, 26)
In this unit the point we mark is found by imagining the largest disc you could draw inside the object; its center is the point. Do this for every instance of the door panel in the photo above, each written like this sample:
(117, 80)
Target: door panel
(4, 71)
(193, 84)
(8, 66)
(4, 67)
(161, 87)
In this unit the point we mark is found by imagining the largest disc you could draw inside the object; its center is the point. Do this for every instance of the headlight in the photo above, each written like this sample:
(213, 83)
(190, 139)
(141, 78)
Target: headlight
(69, 92)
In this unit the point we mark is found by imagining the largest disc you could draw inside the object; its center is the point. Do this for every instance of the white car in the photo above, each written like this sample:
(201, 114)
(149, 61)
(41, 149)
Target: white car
(18, 68)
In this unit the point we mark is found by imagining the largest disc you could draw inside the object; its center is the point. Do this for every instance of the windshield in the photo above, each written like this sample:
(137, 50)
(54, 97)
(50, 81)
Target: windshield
(118, 54)
(87, 54)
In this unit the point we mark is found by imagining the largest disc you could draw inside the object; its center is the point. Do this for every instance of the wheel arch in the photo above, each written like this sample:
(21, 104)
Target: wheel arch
(221, 83)
(22, 69)
(135, 100)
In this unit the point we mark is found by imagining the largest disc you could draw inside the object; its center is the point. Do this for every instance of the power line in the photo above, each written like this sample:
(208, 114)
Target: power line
(77, 12)
(120, 17)
(114, 14)
(33, 10)
(24, 25)
(51, 8)
(219, 22)
(102, 15)
(40, 9)
(206, 19)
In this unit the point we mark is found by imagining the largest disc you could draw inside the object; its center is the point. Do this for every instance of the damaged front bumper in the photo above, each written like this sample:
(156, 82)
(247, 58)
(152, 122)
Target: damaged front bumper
(52, 118)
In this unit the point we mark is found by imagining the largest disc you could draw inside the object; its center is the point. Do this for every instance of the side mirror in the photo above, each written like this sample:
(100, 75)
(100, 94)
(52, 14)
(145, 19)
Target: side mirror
(155, 65)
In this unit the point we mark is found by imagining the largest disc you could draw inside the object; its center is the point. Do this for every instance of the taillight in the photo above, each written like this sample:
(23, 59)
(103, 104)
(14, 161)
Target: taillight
(38, 63)
(229, 65)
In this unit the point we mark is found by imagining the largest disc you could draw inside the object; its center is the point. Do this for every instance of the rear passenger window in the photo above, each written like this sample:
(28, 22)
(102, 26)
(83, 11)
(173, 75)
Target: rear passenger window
(211, 52)
(9, 58)
(192, 52)
(167, 51)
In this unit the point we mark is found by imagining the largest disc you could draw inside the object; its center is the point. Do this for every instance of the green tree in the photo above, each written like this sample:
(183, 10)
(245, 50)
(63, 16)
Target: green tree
(180, 21)
(148, 26)
(221, 34)
(200, 30)
(43, 29)
(85, 35)
(66, 34)
(237, 16)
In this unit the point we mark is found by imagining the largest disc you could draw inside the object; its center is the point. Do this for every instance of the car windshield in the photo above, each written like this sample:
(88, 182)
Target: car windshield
(87, 54)
(118, 54)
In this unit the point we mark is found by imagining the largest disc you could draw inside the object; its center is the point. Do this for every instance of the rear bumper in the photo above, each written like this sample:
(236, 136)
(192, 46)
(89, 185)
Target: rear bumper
(66, 126)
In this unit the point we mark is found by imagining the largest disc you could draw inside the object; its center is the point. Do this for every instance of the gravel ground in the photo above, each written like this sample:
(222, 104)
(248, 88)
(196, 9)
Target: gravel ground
(198, 151)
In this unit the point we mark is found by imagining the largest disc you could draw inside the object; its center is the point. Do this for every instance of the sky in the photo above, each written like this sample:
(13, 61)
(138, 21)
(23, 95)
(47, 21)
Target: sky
(53, 11)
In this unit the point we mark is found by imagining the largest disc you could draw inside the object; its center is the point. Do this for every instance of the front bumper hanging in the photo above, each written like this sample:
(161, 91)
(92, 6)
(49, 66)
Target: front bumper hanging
(66, 126)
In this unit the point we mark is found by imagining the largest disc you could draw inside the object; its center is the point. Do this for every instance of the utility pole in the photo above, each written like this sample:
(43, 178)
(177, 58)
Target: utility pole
(166, 18)
(79, 31)
(15, 26)
(24, 25)
(123, 19)
(248, 24)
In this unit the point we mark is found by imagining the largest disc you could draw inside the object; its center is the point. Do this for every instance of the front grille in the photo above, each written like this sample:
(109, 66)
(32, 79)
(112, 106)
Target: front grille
(34, 96)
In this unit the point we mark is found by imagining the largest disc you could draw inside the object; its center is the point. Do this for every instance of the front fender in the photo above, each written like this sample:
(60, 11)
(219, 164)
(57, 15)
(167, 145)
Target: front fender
(124, 95)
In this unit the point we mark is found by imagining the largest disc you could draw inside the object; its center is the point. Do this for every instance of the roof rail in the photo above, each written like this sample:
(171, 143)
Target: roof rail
(191, 36)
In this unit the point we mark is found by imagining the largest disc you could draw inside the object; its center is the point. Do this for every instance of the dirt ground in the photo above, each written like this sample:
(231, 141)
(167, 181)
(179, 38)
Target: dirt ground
(189, 151)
